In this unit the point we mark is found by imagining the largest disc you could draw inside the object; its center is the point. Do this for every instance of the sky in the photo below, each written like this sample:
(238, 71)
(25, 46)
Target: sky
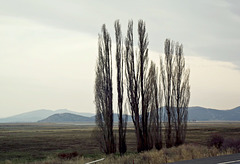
(48, 49)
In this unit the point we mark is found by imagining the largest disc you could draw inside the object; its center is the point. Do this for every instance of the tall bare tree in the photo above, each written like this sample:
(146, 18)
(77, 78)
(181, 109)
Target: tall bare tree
(159, 112)
(122, 122)
(154, 97)
(181, 89)
(136, 78)
(131, 74)
(167, 69)
(175, 82)
(143, 67)
(103, 93)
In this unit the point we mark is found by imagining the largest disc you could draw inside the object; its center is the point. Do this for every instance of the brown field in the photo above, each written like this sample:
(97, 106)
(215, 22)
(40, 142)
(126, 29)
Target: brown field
(24, 143)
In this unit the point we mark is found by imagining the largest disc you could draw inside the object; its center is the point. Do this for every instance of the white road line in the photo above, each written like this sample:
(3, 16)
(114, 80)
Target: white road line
(229, 162)
(95, 161)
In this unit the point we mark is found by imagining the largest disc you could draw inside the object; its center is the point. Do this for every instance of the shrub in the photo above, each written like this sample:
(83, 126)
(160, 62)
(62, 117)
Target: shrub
(67, 156)
(215, 140)
(232, 143)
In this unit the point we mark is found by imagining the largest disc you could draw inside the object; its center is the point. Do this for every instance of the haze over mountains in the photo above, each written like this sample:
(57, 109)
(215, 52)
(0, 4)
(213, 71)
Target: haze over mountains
(37, 115)
(64, 115)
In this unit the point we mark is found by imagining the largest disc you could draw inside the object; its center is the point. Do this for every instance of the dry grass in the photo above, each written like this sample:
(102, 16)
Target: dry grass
(184, 152)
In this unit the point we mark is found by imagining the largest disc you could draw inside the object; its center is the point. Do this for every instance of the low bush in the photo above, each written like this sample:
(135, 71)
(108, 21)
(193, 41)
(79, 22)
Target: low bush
(225, 144)
(68, 156)
(215, 140)
(232, 143)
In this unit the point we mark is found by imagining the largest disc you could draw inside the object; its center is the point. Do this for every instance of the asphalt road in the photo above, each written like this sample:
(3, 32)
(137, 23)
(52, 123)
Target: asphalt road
(225, 159)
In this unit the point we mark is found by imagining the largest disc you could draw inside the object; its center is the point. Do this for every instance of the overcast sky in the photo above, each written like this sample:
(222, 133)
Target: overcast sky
(48, 49)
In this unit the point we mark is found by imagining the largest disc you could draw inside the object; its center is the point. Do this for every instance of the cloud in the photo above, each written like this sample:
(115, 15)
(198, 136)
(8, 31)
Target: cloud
(234, 7)
(210, 28)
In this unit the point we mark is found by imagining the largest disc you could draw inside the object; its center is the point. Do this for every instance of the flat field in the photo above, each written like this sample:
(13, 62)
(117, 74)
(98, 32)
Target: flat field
(35, 141)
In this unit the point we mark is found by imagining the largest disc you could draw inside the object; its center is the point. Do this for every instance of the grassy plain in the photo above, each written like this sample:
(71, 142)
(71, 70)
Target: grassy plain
(24, 143)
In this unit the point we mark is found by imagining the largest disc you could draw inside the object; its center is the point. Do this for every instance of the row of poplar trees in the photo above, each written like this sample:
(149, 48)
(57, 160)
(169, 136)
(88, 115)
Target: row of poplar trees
(157, 99)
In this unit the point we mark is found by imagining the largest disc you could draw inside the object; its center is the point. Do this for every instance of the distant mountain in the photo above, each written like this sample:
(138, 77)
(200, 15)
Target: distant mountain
(206, 114)
(115, 117)
(37, 115)
(67, 117)
(194, 113)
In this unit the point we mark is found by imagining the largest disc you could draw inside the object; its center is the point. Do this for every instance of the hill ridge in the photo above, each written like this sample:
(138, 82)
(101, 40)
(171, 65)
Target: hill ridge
(67, 117)
(196, 113)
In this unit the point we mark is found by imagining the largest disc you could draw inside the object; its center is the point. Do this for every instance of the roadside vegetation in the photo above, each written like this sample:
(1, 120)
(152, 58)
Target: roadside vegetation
(165, 155)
